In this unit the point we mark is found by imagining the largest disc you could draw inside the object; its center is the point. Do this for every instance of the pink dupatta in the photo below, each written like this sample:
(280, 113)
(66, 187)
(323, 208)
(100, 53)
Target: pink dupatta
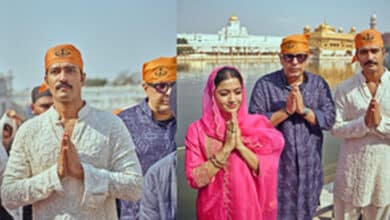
(258, 135)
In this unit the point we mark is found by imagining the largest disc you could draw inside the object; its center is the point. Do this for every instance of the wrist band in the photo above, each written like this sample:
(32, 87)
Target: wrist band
(285, 111)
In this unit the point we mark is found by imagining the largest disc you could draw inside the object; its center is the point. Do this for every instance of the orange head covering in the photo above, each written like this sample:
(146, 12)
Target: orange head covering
(368, 37)
(64, 53)
(43, 87)
(295, 43)
(40, 91)
(162, 69)
(117, 111)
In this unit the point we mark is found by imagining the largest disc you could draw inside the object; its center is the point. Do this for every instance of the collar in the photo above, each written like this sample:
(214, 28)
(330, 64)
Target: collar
(385, 78)
(145, 108)
(287, 86)
(148, 111)
(83, 113)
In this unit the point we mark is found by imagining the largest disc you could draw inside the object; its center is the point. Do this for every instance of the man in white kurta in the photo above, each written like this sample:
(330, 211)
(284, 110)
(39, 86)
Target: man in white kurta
(72, 161)
(363, 121)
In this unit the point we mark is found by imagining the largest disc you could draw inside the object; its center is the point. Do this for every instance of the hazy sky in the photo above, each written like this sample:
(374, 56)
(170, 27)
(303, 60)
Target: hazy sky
(281, 17)
(113, 35)
(121, 35)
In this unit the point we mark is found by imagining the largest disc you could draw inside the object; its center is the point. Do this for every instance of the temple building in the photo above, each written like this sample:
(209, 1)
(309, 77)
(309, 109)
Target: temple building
(5, 92)
(233, 39)
(327, 42)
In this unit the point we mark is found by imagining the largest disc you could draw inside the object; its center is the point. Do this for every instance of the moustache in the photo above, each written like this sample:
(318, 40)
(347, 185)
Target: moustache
(370, 62)
(64, 84)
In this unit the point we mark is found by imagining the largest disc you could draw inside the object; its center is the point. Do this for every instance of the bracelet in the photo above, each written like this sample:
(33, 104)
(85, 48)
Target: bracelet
(215, 163)
(285, 111)
(220, 163)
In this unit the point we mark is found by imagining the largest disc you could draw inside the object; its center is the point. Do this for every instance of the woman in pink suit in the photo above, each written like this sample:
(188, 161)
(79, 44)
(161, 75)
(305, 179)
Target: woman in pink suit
(232, 157)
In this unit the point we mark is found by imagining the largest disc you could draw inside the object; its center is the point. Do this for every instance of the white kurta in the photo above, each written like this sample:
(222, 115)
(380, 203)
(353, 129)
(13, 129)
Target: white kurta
(363, 168)
(111, 167)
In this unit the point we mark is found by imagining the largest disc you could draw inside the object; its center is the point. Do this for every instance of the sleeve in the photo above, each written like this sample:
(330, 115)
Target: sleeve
(149, 208)
(19, 186)
(123, 180)
(355, 128)
(326, 112)
(383, 129)
(195, 169)
(257, 104)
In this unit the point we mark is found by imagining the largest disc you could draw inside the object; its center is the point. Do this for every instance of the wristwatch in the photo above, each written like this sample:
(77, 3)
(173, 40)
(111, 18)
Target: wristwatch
(305, 111)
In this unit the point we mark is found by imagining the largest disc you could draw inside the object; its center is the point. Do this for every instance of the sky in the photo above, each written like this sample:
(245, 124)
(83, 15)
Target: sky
(113, 36)
(120, 35)
(281, 17)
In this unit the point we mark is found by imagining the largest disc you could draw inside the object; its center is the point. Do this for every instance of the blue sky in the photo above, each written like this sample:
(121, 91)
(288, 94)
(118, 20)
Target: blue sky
(119, 35)
(112, 35)
(280, 17)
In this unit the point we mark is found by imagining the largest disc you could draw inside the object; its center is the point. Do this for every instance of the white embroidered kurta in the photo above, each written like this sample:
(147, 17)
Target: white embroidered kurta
(363, 168)
(111, 167)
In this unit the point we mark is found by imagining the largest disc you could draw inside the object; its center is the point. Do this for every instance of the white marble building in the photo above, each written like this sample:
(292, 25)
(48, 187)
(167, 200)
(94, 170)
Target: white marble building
(231, 40)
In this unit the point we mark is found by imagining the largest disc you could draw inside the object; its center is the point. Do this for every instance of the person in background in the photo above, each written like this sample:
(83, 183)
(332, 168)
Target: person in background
(151, 123)
(9, 123)
(159, 193)
(41, 99)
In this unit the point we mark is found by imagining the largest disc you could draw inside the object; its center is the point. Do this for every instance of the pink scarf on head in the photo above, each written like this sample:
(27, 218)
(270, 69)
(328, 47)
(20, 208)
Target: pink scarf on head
(258, 135)
(254, 128)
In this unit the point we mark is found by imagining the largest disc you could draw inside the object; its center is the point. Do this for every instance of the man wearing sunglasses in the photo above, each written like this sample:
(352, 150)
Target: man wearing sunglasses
(299, 104)
(151, 123)
(363, 121)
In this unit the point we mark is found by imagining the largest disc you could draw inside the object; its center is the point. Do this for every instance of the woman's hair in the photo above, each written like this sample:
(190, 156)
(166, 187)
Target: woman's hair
(227, 73)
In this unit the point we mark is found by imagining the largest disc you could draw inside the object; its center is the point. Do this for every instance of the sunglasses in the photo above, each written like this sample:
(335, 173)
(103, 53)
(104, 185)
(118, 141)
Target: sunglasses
(364, 52)
(162, 87)
(290, 57)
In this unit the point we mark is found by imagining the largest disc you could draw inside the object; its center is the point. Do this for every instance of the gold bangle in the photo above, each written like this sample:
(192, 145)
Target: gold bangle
(220, 163)
(215, 163)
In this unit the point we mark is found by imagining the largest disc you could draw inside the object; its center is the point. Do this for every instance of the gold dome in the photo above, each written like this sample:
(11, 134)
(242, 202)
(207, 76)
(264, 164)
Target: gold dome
(233, 18)
(324, 27)
(306, 29)
(353, 30)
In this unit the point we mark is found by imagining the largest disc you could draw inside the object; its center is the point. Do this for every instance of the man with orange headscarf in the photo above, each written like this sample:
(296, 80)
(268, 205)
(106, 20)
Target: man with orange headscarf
(41, 99)
(151, 123)
(72, 161)
(300, 105)
(363, 121)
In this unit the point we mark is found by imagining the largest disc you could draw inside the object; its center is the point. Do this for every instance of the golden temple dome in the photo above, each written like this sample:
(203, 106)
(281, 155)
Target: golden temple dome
(233, 18)
(324, 27)
(306, 29)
